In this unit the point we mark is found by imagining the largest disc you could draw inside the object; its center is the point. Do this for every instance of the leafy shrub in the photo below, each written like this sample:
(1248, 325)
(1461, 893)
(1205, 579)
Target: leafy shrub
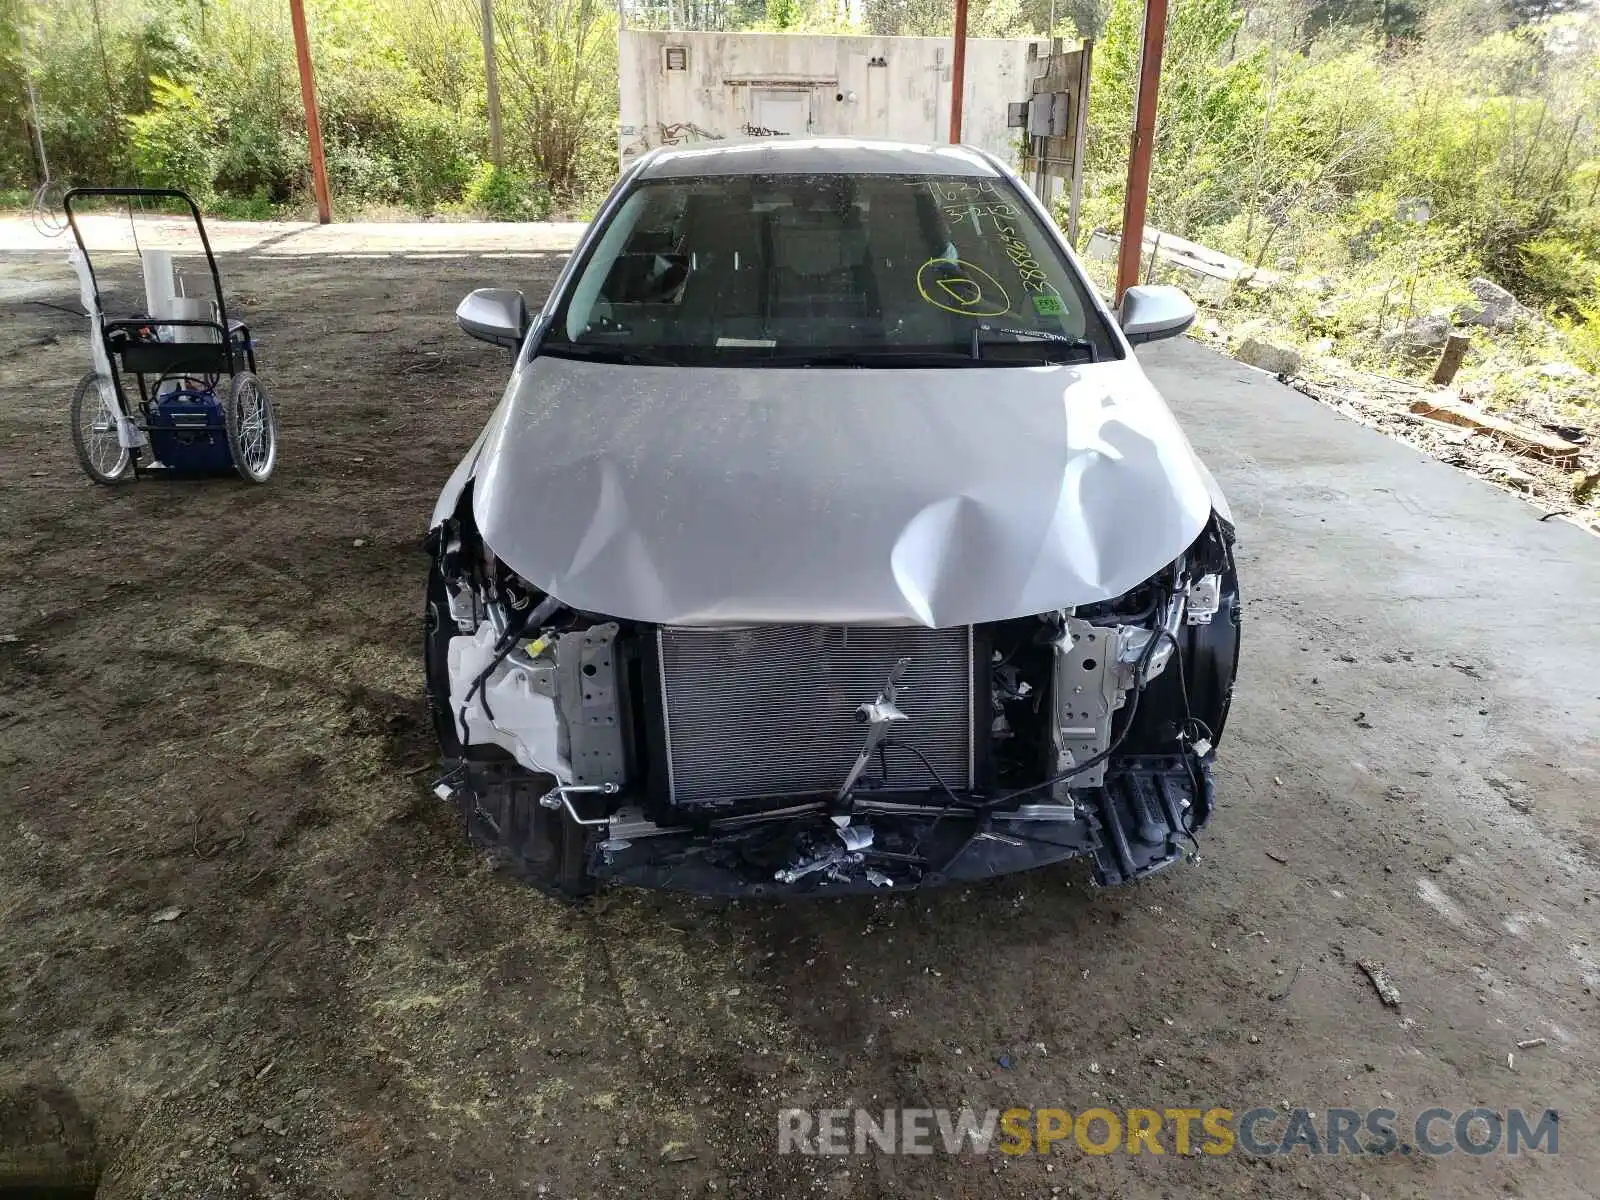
(262, 133)
(173, 141)
(259, 154)
(258, 207)
(1211, 106)
(1583, 333)
(1558, 272)
(362, 175)
(434, 156)
(504, 195)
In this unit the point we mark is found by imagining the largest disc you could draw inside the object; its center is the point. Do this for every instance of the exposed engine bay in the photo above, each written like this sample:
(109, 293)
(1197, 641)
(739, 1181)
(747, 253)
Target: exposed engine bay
(760, 759)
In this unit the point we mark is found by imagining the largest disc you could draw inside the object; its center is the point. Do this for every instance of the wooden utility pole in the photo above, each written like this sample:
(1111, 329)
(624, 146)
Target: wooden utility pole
(1080, 144)
(491, 79)
(1137, 198)
(308, 96)
(958, 72)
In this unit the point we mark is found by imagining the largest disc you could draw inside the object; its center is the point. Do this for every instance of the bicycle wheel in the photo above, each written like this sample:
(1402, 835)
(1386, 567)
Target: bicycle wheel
(252, 428)
(100, 451)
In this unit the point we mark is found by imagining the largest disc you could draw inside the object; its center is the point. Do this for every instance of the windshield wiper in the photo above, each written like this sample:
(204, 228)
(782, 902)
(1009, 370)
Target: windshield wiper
(624, 355)
(870, 357)
(988, 337)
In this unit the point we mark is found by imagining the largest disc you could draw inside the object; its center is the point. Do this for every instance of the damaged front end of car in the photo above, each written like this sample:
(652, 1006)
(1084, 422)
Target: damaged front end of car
(766, 759)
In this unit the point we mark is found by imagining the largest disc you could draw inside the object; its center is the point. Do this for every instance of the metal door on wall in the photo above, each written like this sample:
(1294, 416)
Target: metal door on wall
(780, 112)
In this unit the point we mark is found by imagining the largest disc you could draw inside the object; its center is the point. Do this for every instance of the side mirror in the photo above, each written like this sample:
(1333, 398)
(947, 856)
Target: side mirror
(498, 316)
(1155, 311)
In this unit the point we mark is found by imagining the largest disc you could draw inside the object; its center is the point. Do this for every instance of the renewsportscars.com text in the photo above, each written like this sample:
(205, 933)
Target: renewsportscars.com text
(1182, 1131)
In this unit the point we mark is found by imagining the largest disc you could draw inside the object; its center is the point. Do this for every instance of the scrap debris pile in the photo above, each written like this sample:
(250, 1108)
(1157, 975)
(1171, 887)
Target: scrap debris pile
(1534, 430)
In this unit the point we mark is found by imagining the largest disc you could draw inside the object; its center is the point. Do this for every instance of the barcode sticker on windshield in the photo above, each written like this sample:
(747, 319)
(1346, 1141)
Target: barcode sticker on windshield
(1048, 305)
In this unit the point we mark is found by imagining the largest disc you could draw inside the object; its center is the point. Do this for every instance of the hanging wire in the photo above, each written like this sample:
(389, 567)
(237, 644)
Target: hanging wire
(46, 197)
(134, 226)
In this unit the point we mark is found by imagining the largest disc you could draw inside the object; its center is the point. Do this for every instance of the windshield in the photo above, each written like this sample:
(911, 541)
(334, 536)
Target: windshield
(848, 270)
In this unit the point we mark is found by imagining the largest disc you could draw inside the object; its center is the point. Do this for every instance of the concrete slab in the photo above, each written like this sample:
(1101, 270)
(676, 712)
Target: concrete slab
(1390, 548)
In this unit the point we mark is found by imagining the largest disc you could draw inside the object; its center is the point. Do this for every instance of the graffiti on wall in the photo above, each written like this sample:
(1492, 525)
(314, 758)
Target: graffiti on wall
(682, 133)
(685, 133)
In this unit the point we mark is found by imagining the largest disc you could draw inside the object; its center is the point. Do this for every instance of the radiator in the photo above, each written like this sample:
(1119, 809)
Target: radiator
(769, 710)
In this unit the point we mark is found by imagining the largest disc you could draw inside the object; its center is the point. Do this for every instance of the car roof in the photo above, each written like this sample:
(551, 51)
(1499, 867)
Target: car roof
(819, 155)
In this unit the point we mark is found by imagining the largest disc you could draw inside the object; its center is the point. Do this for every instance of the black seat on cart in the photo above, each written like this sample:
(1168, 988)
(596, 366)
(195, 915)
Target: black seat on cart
(141, 355)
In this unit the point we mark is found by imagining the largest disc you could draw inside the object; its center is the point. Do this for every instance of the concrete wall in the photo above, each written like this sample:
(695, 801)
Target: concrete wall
(737, 85)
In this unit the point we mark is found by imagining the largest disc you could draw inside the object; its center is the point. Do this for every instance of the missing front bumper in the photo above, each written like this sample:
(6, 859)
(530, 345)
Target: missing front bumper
(1139, 822)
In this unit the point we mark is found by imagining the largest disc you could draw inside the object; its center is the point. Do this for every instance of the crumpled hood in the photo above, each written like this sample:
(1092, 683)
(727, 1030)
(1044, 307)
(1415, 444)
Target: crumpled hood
(934, 497)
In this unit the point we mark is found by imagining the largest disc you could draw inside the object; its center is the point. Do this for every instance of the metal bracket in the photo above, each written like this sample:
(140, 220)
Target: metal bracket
(588, 699)
(877, 716)
(1205, 598)
(463, 605)
(1086, 695)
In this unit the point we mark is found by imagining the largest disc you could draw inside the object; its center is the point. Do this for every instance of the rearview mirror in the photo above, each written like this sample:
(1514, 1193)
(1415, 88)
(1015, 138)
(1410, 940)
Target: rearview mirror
(498, 316)
(1155, 311)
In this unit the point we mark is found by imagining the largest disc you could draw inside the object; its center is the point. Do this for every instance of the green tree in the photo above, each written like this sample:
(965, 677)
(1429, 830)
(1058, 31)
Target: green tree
(1210, 112)
(174, 140)
(559, 58)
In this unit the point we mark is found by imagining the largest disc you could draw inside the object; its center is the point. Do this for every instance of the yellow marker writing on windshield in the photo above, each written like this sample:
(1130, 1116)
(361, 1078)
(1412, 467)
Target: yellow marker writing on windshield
(962, 288)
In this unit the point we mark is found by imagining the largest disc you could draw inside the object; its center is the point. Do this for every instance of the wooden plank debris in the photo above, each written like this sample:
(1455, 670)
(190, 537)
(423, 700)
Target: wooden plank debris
(1524, 439)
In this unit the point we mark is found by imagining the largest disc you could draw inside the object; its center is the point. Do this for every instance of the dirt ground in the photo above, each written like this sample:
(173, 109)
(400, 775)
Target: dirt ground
(210, 705)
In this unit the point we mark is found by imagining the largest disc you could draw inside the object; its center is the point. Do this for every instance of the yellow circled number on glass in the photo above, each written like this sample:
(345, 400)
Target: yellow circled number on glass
(962, 288)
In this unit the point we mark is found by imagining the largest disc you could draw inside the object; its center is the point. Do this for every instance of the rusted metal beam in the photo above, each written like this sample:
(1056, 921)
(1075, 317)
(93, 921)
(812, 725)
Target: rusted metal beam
(1137, 198)
(958, 72)
(308, 96)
